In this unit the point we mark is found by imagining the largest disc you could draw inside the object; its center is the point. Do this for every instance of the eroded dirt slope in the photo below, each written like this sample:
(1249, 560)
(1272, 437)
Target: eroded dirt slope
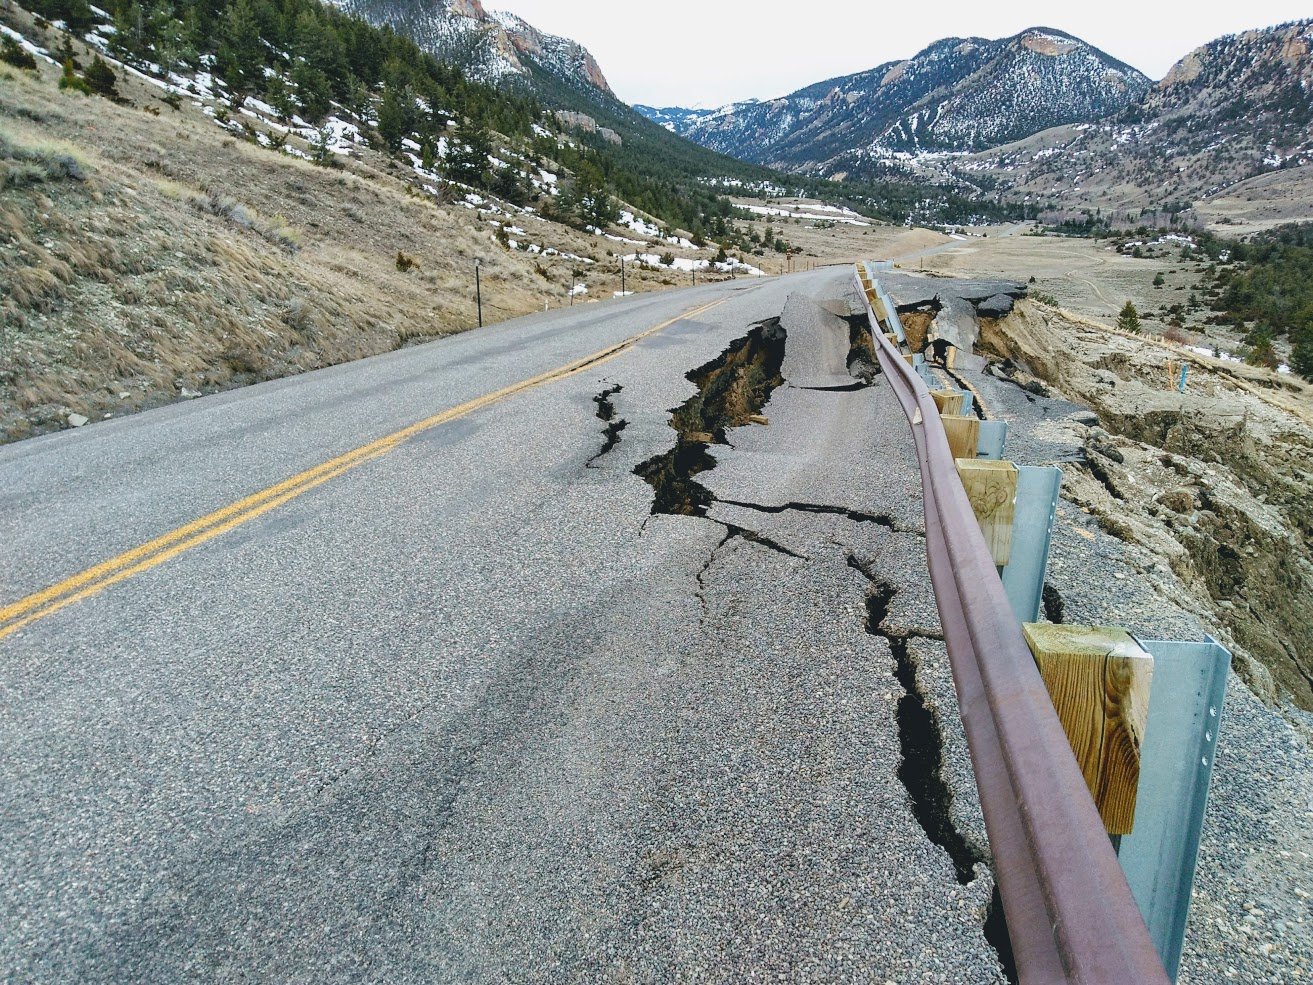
(1214, 482)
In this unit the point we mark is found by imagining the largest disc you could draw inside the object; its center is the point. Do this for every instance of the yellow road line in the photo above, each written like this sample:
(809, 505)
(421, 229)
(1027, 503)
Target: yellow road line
(47, 601)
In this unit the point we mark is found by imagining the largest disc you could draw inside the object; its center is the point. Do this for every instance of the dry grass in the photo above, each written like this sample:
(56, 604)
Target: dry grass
(146, 254)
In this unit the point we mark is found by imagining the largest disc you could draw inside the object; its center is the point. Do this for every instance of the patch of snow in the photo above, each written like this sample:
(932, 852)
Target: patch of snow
(793, 214)
(27, 45)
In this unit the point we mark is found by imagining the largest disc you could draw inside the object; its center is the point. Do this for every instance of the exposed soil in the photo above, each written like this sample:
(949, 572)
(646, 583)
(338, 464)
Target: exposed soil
(732, 389)
(1216, 482)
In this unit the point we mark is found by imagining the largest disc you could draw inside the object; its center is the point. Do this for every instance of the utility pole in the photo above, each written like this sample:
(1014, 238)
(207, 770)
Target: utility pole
(622, 276)
(478, 289)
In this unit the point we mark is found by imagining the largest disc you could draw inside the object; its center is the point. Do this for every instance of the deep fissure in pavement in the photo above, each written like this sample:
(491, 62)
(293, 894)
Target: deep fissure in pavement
(996, 935)
(920, 737)
(922, 768)
(614, 425)
(857, 516)
(862, 362)
(960, 383)
(732, 388)
(846, 388)
(1053, 605)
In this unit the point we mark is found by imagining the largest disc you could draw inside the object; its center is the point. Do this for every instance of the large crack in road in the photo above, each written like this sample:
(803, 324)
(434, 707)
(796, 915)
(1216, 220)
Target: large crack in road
(732, 391)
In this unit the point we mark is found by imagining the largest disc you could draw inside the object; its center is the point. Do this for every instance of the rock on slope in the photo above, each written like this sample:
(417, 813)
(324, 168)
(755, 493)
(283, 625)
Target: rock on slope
(489, 46)
(959, 94)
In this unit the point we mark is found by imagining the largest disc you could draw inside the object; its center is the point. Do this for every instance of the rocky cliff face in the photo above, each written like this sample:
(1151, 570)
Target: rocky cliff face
(561, 56)
(958, 95)
(489, 46)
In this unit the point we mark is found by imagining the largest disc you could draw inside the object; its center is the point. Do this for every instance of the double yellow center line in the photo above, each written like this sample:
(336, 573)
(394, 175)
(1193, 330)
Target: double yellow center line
(96, 579)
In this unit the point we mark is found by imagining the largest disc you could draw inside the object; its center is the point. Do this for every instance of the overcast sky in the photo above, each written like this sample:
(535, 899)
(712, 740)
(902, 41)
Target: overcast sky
(707, 53)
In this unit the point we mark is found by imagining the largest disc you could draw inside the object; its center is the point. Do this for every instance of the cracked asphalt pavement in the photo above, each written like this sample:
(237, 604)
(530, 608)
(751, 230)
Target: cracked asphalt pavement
(471, 711)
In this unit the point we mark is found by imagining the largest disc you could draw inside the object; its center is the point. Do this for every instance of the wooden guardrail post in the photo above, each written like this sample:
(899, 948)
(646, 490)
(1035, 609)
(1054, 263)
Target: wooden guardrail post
(991, 486)
(1099, 679)
(963, 433)
(948, 401)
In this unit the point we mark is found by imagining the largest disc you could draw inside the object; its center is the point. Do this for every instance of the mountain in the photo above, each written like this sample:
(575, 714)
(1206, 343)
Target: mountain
(503, 49)
(958, 95)
(1236, 108)
(676, 119)
(488, 46)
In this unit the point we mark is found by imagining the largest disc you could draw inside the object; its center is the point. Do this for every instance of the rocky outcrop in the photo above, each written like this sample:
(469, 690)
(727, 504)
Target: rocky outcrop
(490, 46)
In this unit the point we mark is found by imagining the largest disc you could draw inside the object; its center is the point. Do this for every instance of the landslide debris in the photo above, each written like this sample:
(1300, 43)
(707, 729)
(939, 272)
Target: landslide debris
(1216, 484)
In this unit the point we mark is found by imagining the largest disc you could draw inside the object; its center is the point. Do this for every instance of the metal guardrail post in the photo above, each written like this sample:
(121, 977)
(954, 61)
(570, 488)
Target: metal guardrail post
(1032, 536)
(1176, 767)
(993, 438)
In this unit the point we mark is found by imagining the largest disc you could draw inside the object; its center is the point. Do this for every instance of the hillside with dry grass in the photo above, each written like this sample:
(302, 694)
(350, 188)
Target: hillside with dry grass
(148, 255)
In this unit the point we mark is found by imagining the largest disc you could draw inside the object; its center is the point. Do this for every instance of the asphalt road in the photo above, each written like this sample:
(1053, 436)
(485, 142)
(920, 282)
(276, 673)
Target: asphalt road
(461, 708)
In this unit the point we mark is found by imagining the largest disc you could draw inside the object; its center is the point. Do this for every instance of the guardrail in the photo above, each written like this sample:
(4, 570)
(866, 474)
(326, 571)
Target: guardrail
(1070, 913)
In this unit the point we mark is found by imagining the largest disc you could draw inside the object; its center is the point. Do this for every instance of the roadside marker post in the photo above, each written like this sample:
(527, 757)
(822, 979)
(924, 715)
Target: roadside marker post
(478, 290)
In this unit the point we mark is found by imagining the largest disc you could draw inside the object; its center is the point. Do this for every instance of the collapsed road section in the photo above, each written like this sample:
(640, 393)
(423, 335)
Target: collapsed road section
(780, 451)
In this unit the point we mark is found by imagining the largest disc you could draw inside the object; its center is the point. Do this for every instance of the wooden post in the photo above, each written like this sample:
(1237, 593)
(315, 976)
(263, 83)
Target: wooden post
(949, 402)
(992, 488)
(1099, 679)
(963, 435)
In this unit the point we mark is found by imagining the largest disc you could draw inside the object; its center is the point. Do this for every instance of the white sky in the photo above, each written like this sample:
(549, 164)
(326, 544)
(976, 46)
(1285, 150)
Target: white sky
(706, 53)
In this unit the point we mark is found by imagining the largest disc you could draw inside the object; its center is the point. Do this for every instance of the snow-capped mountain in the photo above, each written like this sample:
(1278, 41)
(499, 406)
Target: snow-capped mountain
(488, 45)
(676, 119)
(1236, 108)
(958, 95)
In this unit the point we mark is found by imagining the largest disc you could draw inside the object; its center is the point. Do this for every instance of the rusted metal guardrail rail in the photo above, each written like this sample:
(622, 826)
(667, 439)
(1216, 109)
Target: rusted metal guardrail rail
(1070, 913)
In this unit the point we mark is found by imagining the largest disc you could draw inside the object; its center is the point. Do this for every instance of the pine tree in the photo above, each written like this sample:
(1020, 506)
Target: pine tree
(76, 14)
(1129, 319)
(467, 156)
(100, 79)
(73, 82)
(1261, 350)
(13, 53)
(241, 55)
(313, 92)
(393, 116)
(1301, 356)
